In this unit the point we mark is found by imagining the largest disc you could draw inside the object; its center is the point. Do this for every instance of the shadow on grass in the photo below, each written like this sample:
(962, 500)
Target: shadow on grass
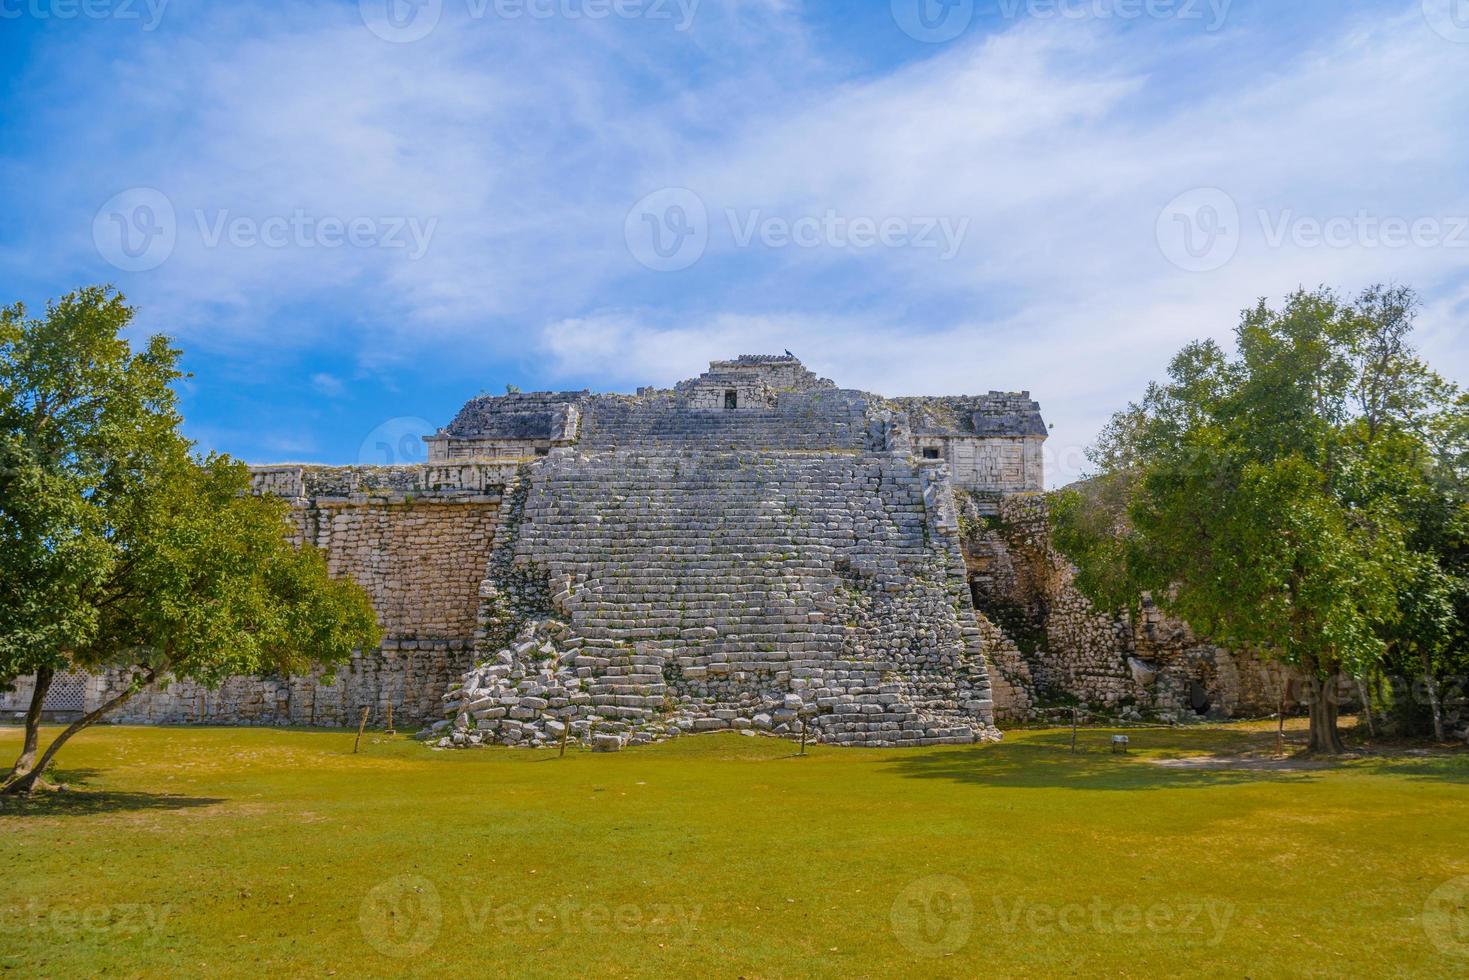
(1445, 768)
(1047, 762)
(74, 800)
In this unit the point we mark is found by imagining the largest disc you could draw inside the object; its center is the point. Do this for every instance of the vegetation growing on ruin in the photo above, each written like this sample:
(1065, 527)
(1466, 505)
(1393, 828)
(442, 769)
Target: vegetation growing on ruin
(234, 852)
(1028, 633)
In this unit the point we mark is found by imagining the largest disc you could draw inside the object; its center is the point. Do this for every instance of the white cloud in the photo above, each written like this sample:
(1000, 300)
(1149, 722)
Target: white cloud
(1058, 142)
(327, 384)
(1035, 136)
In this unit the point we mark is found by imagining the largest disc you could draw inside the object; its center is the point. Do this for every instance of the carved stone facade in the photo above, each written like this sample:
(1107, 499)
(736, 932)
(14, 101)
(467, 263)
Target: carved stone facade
(991, 443)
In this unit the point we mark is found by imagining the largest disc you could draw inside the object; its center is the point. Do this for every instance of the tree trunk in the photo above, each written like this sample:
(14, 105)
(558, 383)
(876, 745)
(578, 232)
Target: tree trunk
(33, 722)
(1325, 738)
(1433, 705)
(1366, 697)
(26, 782)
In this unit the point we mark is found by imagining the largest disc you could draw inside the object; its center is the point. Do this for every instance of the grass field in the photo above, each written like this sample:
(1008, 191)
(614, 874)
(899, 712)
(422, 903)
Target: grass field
(242, 851)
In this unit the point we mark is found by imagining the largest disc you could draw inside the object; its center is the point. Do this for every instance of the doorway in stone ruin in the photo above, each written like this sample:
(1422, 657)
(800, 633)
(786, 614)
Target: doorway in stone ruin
(731, 399)
(1198, 697)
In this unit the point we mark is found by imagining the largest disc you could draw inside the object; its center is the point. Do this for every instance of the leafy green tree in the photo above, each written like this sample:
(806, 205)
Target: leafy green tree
(131, 553)
(81, 416)
(1430, 641)
(1267, 497)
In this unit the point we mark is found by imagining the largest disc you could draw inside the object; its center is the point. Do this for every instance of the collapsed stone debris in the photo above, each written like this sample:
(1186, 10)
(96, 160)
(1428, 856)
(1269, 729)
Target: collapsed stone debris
(534, 694)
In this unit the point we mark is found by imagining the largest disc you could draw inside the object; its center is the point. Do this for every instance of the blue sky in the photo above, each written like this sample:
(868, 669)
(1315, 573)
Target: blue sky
(354, 217)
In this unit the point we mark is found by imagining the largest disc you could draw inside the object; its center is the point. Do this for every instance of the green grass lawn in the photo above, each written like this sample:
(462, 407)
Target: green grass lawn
(240, 851)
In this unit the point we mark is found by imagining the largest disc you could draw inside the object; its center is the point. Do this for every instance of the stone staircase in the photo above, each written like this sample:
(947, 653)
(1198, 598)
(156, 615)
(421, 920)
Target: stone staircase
(749, 587)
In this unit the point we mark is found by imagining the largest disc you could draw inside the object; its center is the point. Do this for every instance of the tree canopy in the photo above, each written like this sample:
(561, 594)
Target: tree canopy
(120, 547)
(1299, 496)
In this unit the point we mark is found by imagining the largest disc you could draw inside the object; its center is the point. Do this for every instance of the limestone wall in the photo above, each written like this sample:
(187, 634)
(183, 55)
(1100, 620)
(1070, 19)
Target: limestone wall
(417, 539)
(420, 561)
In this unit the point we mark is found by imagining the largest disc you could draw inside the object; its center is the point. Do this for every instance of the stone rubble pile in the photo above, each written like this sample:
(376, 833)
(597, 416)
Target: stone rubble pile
(534, 690)
(530, 693)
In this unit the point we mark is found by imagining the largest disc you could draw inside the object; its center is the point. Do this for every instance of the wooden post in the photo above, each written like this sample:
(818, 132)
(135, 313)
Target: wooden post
(360, 726)
(1074, 714)
(803, 736)
(390, 730)
(565, 730)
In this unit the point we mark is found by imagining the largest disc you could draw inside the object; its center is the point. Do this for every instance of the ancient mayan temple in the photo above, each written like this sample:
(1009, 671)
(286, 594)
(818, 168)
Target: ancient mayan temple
(752, 545)
(753, 549)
